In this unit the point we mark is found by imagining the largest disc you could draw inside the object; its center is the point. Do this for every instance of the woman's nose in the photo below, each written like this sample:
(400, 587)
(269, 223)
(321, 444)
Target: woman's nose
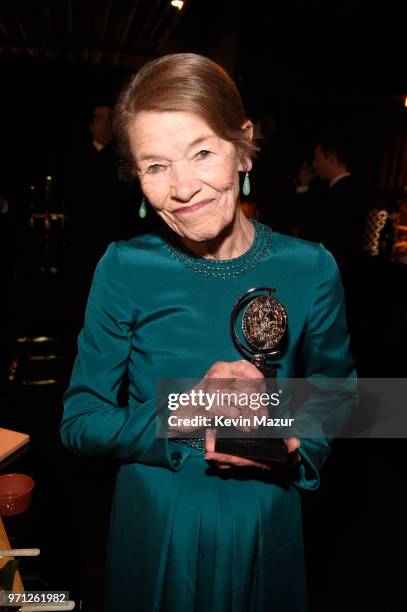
(184, 183)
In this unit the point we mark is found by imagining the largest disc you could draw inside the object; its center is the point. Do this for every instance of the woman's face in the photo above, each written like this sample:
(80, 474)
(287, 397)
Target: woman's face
(188, 173)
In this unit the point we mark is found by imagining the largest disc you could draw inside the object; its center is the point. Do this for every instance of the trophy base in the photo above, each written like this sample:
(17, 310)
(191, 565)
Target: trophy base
(264, 450)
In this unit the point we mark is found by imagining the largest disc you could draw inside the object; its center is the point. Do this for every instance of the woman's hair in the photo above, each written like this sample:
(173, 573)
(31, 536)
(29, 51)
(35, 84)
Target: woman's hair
(183, 82)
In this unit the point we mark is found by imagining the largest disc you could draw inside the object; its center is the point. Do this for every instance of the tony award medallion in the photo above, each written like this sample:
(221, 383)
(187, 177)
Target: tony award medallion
(264, 326)
(263, 322)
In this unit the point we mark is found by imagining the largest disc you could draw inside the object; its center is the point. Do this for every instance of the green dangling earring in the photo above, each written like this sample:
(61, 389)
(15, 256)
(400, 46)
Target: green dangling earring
(246, 185)
(142, 212)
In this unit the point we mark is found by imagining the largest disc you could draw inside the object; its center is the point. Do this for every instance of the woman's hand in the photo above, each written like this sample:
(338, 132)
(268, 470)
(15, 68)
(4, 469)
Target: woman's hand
(232, 378)
(239, 371)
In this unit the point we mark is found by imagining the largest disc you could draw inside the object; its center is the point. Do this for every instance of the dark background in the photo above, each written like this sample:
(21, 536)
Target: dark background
(311, 65)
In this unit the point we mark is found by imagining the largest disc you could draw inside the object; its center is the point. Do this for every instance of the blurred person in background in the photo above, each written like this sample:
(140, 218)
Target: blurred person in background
(272, 178)
(328, 203)
(101, 207)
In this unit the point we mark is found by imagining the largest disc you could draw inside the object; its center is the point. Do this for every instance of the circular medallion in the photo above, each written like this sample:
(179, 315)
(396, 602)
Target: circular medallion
(264, 322)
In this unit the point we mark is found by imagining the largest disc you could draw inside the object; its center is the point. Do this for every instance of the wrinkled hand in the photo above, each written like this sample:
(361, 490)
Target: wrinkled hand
(233, 377)
(237, 377)
(239, 371)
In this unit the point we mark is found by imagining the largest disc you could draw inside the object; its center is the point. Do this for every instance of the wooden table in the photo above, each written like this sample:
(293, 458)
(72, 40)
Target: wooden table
(11, 441)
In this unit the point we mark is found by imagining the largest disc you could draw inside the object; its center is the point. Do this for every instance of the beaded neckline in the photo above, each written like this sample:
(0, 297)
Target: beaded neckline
(224, 268)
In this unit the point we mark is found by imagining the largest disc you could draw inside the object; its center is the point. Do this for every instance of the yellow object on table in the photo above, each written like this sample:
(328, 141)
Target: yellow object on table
(5, 545)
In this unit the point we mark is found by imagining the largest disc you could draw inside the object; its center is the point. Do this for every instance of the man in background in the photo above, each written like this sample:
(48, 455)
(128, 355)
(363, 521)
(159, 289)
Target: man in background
(328, 201)
(101, 208)
(100, 126)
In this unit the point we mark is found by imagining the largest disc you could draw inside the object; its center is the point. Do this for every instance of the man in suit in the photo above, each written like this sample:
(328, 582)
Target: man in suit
(328, 194)
(89, 191)
(101, 207)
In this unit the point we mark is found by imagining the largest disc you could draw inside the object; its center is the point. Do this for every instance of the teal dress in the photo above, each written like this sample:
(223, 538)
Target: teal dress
(184, 535)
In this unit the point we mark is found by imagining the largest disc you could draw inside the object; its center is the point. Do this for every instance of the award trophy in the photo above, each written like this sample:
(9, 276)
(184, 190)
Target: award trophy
(264, 329)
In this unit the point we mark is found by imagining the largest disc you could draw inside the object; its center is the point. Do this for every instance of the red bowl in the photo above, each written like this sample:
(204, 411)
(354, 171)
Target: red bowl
(15, 493)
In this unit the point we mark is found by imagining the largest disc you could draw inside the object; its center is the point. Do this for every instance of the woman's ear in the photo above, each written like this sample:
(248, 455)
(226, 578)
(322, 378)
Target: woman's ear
(245, 163)
(248, 128)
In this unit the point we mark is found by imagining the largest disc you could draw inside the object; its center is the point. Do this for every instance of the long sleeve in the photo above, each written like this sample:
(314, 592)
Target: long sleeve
(93, 424)
(325, 355)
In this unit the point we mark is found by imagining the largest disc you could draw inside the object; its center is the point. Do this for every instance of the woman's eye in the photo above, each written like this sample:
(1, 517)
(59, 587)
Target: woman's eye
(154, 168)
(204, 154)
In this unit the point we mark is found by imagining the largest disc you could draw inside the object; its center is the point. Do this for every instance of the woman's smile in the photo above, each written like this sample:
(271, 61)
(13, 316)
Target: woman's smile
(193, 207)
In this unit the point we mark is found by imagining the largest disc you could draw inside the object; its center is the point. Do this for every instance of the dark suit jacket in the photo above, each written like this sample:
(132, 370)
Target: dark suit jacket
(331, 215)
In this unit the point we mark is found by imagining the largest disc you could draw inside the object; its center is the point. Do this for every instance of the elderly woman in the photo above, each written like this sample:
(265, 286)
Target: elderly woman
(186, 533)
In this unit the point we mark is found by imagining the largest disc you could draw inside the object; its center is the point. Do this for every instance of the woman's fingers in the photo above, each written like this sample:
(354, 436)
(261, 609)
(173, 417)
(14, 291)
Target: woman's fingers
(292, 444)
(210, 440)
(234, 460)
(233, 369)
